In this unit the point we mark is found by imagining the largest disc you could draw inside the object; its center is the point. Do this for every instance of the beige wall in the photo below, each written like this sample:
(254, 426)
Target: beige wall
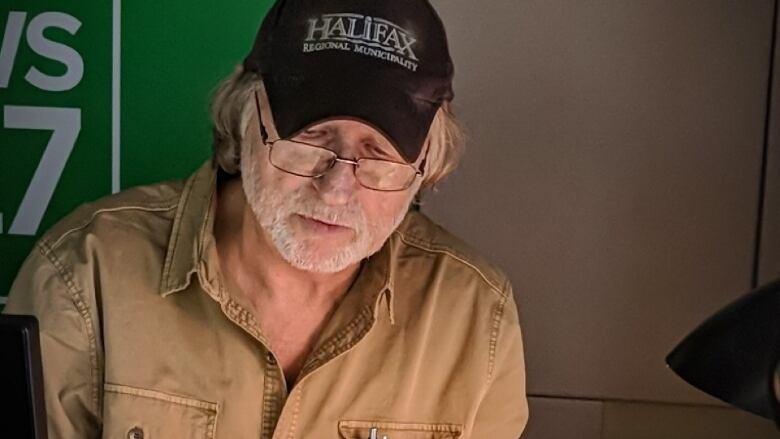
(769, 267)
(613, 172)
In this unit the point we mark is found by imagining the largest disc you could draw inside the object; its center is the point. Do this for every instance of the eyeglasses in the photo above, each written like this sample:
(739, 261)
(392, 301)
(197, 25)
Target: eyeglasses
(313, 161)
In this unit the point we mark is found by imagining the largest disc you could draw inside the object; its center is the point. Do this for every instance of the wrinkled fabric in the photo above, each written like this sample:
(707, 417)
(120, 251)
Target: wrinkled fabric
(140, 337)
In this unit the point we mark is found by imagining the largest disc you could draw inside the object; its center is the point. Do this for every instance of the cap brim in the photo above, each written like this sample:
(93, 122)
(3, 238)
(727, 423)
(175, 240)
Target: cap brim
(404, 121)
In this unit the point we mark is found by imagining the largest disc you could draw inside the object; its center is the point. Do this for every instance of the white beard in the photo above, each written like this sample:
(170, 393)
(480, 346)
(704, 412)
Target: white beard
(274, 212)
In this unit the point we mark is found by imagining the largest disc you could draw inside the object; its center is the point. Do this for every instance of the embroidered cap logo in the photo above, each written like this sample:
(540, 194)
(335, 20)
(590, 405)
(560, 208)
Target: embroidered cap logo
(364, 35)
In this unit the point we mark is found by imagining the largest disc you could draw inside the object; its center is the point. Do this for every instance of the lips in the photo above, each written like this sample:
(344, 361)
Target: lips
(321, 225)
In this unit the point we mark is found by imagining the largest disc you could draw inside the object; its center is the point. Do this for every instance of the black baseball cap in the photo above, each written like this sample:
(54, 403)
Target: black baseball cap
(385, 63)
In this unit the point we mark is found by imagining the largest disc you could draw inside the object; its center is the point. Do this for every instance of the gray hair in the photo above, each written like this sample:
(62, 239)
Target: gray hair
(232, 107)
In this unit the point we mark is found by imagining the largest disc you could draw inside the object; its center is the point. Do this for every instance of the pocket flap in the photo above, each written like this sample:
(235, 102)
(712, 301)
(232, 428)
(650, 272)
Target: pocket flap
(399, 430)
(130, 412)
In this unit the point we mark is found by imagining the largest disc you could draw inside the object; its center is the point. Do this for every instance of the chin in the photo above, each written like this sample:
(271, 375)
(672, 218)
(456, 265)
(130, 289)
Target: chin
(321, 255)
(321, 264)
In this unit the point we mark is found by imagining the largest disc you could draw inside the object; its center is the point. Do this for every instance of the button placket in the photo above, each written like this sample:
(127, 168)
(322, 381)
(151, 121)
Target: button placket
(274, 395)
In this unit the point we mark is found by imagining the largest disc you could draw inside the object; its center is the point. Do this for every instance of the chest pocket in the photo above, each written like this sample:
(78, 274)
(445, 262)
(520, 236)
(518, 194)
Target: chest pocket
(133, 413)
(398, 430)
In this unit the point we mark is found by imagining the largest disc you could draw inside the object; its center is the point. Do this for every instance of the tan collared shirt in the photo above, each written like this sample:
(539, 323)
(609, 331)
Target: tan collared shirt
(140, 338)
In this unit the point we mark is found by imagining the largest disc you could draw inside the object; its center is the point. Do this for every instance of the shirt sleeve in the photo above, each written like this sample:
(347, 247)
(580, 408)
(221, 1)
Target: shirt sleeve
(503, 412)
(68, 348)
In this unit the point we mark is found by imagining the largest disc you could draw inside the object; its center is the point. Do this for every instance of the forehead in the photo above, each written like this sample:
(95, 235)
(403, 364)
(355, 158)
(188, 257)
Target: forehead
(353, 131)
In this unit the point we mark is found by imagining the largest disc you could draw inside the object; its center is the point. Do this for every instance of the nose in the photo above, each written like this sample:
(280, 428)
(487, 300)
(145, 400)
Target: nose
(337, 186)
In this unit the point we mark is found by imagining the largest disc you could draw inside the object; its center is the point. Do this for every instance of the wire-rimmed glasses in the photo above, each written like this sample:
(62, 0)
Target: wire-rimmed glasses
(309, 160)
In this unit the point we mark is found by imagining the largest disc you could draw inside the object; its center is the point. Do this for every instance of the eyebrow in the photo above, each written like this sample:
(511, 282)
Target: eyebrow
(379, 147)
(374, 145)
(318, 129)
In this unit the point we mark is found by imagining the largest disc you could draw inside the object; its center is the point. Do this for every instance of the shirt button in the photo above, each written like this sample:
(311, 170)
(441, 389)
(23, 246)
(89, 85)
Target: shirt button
(135, 433)
(271, 360)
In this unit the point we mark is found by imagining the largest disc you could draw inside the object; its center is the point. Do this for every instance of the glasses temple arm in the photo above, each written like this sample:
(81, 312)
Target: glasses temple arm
(424, 160)
(263, 132)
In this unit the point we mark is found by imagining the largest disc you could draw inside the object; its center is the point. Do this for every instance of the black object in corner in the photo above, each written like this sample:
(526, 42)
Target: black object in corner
(22, 411)
(734, 354)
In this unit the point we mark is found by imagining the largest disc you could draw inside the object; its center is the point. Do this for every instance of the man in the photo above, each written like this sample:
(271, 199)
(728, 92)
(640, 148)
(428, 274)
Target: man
(285, 290)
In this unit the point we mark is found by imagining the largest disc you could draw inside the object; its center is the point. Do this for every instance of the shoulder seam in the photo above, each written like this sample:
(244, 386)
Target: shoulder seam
(161, 208)
(494, 334)
(82, 307)
(449, 252)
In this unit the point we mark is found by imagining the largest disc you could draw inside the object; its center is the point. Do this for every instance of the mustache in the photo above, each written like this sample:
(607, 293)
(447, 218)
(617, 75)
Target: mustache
(350, 215)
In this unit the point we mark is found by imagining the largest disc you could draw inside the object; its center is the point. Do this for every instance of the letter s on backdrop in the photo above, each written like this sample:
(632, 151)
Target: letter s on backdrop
(55, 51)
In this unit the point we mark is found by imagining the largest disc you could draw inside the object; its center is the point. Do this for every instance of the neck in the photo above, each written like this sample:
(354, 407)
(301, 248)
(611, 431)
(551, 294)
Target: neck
(254, 268)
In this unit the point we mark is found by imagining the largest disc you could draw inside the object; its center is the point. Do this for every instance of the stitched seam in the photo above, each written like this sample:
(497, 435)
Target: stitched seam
(212, 425)
(244, 319)
(171, 289)
(272, 406)
(447, 251)
(107, 210)
(403, 426)
(338, 339)
(296, 411)
(334, 347)
(203, 229)
(81, 306)
(160, 396)
(182, 202)
(499, 313)
(173, 245)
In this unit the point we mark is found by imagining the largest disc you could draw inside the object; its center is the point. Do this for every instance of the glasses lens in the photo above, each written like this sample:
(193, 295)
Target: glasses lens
(300, 158)
(383, 175)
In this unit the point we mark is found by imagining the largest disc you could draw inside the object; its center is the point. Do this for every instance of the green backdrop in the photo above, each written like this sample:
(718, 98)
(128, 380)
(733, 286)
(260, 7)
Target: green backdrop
(101, 96)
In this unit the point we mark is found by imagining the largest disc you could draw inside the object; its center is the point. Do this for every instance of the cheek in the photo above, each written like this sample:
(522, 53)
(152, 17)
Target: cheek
(287, 183)
(385, 208)
(280, 181)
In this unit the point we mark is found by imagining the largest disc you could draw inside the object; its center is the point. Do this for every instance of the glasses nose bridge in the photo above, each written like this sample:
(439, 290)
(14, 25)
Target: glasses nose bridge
(339, 159)
(331, 174)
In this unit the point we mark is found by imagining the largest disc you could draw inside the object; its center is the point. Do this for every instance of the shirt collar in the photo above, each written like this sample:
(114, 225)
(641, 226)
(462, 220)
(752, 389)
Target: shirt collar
(374, 284)
(193, 233)
(194, 213)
